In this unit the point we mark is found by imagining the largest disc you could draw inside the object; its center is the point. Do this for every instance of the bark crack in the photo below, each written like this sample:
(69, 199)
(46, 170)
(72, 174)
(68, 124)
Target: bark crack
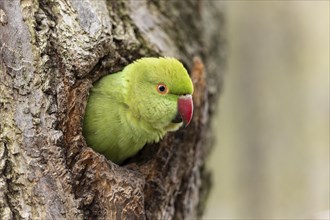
(7, 192)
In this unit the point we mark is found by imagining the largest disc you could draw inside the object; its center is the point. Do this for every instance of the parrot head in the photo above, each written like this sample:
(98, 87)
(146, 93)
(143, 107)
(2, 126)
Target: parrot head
(160, 92)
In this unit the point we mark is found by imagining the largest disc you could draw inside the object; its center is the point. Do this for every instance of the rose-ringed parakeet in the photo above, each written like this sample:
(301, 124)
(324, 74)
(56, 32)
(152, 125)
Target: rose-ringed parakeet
(138, 105)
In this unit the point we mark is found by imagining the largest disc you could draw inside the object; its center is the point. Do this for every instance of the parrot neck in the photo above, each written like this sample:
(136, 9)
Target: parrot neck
(142, 128)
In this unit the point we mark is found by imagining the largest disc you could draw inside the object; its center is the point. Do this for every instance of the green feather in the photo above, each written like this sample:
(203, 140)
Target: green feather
(125, 111)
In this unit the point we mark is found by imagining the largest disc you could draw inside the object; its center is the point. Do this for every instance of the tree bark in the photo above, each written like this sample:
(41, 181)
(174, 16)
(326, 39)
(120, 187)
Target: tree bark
(51, 51)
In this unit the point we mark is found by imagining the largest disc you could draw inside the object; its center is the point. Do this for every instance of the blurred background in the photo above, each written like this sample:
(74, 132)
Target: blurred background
(271, 159)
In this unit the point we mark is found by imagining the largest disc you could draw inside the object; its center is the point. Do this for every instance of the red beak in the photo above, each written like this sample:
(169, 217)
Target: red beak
(185, 108)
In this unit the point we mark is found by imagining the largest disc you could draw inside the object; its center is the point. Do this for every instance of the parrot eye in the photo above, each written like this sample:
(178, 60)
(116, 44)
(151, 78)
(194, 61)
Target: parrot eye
(162, 88)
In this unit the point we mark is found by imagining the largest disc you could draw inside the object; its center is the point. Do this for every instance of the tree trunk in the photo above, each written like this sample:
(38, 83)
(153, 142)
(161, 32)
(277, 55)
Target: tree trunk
(51, 53)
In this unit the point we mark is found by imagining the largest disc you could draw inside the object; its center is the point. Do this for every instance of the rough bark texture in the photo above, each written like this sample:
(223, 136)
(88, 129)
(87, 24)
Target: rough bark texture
(51, 51)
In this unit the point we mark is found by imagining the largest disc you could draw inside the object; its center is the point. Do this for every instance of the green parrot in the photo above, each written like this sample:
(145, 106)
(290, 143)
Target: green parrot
(138, 105)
